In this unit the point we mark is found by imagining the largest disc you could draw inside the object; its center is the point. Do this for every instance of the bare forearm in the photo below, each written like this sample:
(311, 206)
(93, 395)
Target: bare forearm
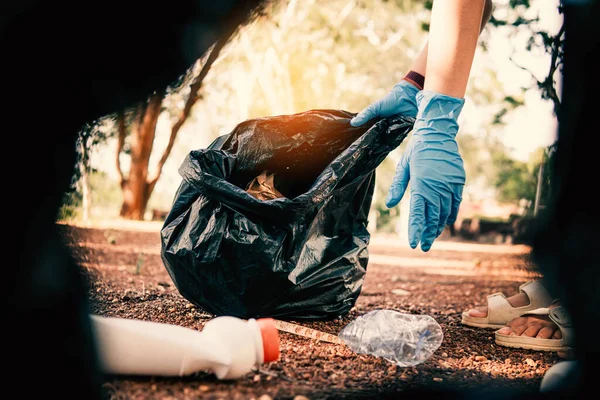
(420, 63)
(452, 43)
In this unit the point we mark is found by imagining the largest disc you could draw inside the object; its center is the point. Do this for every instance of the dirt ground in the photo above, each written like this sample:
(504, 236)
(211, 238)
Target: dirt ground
(127, 279)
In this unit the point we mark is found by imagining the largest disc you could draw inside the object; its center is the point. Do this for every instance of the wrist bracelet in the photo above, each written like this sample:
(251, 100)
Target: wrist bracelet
(415, 78)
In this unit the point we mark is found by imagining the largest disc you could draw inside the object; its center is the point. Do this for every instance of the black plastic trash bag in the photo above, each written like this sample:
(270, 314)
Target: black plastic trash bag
(301, 256)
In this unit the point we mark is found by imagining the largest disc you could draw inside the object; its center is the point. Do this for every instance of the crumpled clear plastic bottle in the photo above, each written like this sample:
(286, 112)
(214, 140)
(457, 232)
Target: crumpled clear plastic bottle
(404, 339)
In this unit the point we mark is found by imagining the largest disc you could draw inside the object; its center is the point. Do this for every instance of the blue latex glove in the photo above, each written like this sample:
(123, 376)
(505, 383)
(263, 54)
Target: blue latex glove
(400, 100)
(434, 167)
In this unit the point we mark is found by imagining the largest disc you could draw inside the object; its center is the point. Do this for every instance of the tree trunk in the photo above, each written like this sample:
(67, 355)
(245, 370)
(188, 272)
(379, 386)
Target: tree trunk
(136, 187)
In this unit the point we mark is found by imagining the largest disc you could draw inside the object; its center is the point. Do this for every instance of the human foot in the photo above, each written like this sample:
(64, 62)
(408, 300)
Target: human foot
(500, 309)
(543, 329)
(537, 326)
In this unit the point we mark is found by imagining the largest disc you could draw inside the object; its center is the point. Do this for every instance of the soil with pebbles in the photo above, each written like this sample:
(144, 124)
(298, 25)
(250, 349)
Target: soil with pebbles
(127, 279)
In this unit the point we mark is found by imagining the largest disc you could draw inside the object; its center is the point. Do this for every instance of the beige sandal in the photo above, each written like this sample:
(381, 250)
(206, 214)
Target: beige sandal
(499, 310)
(560, 317)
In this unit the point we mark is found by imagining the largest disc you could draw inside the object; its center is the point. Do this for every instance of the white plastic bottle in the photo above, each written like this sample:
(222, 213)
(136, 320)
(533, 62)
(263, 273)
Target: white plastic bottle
(227, 346)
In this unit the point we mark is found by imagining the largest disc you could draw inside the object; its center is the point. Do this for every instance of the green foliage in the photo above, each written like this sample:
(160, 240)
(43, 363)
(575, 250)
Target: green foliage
(517, 3)
(70, 208)
(510, 103)
(106, 194)
(472, 150)
(91, 136)
(516, 17)
(385, 217)
(516, 180)
(309, 54)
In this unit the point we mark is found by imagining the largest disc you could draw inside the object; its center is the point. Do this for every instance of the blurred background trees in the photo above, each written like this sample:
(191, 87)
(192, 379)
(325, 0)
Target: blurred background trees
(339, 54)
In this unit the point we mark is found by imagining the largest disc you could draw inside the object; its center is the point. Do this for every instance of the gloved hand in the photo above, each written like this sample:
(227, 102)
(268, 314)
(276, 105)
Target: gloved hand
(434, 167)
(400, 100)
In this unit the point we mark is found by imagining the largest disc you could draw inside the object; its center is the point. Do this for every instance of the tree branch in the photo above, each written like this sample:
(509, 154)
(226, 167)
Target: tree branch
(547, 85)
(191, 100)
(554, 64)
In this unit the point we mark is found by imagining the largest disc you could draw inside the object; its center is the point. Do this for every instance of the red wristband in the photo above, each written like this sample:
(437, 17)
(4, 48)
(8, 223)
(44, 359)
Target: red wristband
(415, 78)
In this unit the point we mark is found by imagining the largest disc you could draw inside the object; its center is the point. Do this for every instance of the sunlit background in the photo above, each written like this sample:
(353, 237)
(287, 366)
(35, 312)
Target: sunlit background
(345, 54)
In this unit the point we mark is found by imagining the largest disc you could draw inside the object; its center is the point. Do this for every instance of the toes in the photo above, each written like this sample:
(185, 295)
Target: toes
(504, 331)
(534, 327)
(557, 334)
(532, 330)
(478, 312)
(519, 330)
(546, 332)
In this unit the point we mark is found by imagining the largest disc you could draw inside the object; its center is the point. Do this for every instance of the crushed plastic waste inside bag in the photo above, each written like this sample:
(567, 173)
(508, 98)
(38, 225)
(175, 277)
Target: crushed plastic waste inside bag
(301, 256)
(403, 339)
(263, 187)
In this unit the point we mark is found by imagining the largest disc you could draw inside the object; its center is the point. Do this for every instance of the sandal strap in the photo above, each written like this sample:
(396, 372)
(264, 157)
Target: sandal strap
(499, 309)
(537, 293)
(561, 318)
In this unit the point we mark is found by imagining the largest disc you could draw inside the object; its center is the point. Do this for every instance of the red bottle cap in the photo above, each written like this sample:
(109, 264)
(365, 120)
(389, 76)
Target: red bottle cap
(270, 338)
